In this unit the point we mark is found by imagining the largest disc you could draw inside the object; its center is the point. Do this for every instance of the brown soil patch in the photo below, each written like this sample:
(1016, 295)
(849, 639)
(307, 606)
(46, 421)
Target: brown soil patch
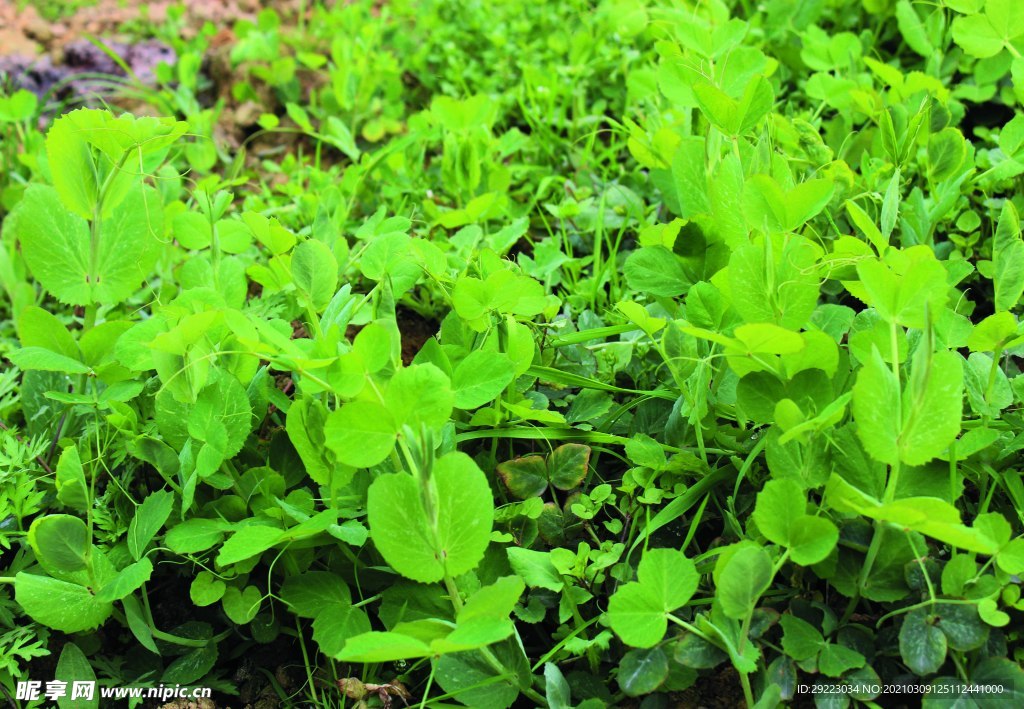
(24, 32)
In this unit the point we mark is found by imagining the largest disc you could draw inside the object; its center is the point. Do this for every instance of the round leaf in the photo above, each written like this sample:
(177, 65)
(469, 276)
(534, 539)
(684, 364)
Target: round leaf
(745, 576)
(60, 605)
(480, 378)
(361, 433)
(922, 644)
(642, 671)
(423, 546)
(61, 543)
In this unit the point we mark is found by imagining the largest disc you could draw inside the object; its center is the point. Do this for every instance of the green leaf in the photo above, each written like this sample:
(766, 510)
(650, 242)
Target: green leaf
(426, 545)
(57, 246)
(149, 518)
(269, 232)
(891, 205)
(493, 602)
(985, 34)
(1008, 259)
(480, 378)
(800, 639)
(556, 689)
(247, 542)
(478, 682)
(689, 171)
(336, 624)
(73, 666)
(241, 606)
(484, 619)
(315, 273)
(1011, 557)
(637, 611)
(922, 644)
(138, 623)
(206, 589)
(195, 535)
(39, 359)
(127, 581)
(72, 488)
(876, 409)
(989, 611)
(775, 280)
(309, 593)
(657, 271)
(932, 406)
(636, 616)
(999, 671)
(992, 332)
(812, 539)
(905, 288)
(988, 389)
(568, 465)
(375, 646)
(914, 32)
(61, 543)
(525, 477)
(836, 660)
(535, 568)
(191, 666)
(697, 653)
(780, 515)
(670, 576)
(221, 411)
(947, 151)
(361, 433)
(304, 424)
(642, 671)
(420, 395)
(771, 209)
(72, 165)
(742, 580)
(20, 106)
(373, 345)
(929, 418)
(962, 626)
(734, 117)
(930, 516)
(40, 328)
(765, 338)
(60, 605)
(643, 450)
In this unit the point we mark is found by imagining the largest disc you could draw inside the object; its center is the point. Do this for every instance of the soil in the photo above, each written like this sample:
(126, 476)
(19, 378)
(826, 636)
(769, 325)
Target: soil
(721, 690)
(416, 330)
(53, 59)
(23, 31)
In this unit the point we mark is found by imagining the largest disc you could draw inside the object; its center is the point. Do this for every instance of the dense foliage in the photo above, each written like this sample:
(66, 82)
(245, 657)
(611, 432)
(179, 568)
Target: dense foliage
(719, 385)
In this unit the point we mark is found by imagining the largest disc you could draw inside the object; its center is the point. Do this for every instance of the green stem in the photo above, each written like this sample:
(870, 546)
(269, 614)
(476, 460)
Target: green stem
(748, 693)
(453, 594)
(869, 562)
(592, 657)
(90, 317)
(894, 474)
(992, 372)
(177, 640)
(305, 663)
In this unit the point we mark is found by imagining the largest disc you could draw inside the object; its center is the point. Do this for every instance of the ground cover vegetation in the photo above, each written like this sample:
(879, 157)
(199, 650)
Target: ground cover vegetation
(562, 354)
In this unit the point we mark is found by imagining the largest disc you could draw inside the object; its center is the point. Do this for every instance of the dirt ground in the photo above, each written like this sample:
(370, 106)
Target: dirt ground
(25, 32)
